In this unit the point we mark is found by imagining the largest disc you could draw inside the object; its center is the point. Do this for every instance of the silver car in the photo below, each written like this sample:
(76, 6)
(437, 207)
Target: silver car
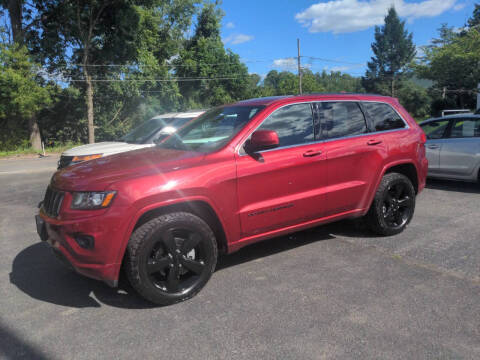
(453, 147)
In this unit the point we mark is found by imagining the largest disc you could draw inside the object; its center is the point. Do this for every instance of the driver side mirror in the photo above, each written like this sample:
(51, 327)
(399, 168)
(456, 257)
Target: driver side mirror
(262, 140)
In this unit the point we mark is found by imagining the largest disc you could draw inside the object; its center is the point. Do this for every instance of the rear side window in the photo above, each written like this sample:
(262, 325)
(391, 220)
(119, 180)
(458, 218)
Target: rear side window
(340, 119)
(293, 124)
(465, 128)
(435, 129)
(383, 116)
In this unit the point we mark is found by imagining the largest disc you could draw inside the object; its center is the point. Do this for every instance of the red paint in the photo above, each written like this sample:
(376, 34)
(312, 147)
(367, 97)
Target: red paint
(263, 139)
(254, 198)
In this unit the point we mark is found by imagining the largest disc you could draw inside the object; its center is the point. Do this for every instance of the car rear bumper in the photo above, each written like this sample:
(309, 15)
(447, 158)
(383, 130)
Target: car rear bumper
(97, 262)
(422, 178)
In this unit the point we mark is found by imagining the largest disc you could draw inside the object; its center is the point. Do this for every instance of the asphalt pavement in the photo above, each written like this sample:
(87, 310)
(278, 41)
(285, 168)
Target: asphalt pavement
(333, 292)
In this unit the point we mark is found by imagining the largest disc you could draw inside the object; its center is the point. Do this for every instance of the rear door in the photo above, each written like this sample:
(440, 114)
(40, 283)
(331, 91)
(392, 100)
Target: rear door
(435, 132)
(354, 156)
(282, 186)
(459, 155)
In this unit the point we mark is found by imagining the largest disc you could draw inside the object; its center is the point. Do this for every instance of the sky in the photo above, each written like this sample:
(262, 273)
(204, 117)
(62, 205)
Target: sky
(264, 32)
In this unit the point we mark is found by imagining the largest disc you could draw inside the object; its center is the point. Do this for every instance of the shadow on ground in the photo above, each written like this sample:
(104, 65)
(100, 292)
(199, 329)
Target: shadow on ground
(14, 346)
(452, 185)
(37, 272)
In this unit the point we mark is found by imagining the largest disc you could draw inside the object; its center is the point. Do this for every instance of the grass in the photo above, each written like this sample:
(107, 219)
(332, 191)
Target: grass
(29, 151)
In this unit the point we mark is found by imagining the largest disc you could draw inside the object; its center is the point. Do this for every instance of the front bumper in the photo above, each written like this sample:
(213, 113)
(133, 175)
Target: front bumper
(99, 262)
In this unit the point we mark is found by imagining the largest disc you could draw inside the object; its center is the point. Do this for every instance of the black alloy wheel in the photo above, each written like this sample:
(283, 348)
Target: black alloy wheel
(170, 258)
(176, 261)
(393, 205)
(398, 205)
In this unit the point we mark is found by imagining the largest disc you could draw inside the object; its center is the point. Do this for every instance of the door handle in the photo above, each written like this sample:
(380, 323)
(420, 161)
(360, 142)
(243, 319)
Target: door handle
(374, 142)
(311, 153)
(433, 146)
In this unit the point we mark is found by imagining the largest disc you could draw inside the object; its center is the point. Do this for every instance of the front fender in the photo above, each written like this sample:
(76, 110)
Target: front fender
(137, 213)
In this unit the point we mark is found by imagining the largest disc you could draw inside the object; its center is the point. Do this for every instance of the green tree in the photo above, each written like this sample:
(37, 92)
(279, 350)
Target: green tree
(454, 66)
(21, 20)
(335, 81)
(204, 58)
(280, 83)
(286, 83)
(23, 95)
(446, 36)
(393, 51)
(94, 31)
(415, 99)
(310, 83)
(140, 35)
(474, 21)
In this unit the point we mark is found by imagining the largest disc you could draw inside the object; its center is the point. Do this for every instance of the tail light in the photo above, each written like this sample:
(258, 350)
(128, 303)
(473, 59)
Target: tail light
(423, 138)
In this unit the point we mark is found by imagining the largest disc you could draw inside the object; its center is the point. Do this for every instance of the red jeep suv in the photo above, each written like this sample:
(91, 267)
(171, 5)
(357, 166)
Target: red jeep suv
(236, 175)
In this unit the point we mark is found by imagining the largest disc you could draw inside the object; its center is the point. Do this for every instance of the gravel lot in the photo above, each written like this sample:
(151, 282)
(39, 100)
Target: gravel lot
(331, 292)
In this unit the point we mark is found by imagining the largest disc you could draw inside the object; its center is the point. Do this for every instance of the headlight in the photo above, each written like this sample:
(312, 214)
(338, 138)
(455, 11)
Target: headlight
(92, 200)
(86, 157)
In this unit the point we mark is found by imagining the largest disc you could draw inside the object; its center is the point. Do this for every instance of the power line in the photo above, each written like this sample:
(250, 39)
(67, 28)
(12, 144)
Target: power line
(333, 60)
(168, 64)
(157, 80)
(213, 64)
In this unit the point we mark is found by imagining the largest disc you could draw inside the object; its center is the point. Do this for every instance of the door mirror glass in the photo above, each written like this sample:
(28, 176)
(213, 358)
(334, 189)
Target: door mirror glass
(262, 140)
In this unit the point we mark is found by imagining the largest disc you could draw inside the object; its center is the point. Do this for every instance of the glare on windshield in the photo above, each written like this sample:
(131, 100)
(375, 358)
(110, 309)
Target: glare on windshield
(212, 130)
(145, 131)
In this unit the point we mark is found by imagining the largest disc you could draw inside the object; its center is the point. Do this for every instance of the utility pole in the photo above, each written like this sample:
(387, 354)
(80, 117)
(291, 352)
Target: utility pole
(299, 68)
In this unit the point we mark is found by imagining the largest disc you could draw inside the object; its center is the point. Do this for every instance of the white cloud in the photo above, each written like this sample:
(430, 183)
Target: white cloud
(459, 6)
(230, 25)
(237, 39)
(342, 16)
(339, 68)
(285, 63)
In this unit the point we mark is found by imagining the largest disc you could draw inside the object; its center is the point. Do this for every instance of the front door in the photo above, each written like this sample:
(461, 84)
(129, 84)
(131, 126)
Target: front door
(435, 131)
(459, 155)
(283, 186)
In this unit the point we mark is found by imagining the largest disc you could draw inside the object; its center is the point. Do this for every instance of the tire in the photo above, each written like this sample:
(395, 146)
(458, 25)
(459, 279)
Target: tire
(393, 205)
(171, 257)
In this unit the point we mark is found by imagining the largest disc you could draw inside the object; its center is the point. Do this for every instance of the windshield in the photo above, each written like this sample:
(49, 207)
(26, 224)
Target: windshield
(143, 132)
(212, 130)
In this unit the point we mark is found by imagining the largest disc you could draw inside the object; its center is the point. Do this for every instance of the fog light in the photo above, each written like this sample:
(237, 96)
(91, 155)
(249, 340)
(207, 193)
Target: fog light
(85, 241)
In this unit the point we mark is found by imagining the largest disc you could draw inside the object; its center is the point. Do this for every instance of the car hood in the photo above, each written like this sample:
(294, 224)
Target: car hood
(98, 174)
(105, 148)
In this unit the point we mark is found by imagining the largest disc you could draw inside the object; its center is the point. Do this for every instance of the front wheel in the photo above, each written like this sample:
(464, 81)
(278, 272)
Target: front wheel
(170, 258)
(393, 205)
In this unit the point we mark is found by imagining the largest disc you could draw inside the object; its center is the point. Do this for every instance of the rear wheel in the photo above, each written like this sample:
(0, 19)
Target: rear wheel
(170, 258)
(393, 205)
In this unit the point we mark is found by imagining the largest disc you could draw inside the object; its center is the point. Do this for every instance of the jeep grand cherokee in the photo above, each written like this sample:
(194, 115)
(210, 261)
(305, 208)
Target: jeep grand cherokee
(236, 175)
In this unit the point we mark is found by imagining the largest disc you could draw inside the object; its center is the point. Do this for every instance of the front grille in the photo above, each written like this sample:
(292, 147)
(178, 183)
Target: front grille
(52, 202)
(64, 161)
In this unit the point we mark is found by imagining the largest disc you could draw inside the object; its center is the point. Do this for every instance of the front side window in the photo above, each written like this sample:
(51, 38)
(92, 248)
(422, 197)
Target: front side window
(435, 129)
(383, 116)
(465, 128)
(340, 119)
(293, 124)
(212, 130)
